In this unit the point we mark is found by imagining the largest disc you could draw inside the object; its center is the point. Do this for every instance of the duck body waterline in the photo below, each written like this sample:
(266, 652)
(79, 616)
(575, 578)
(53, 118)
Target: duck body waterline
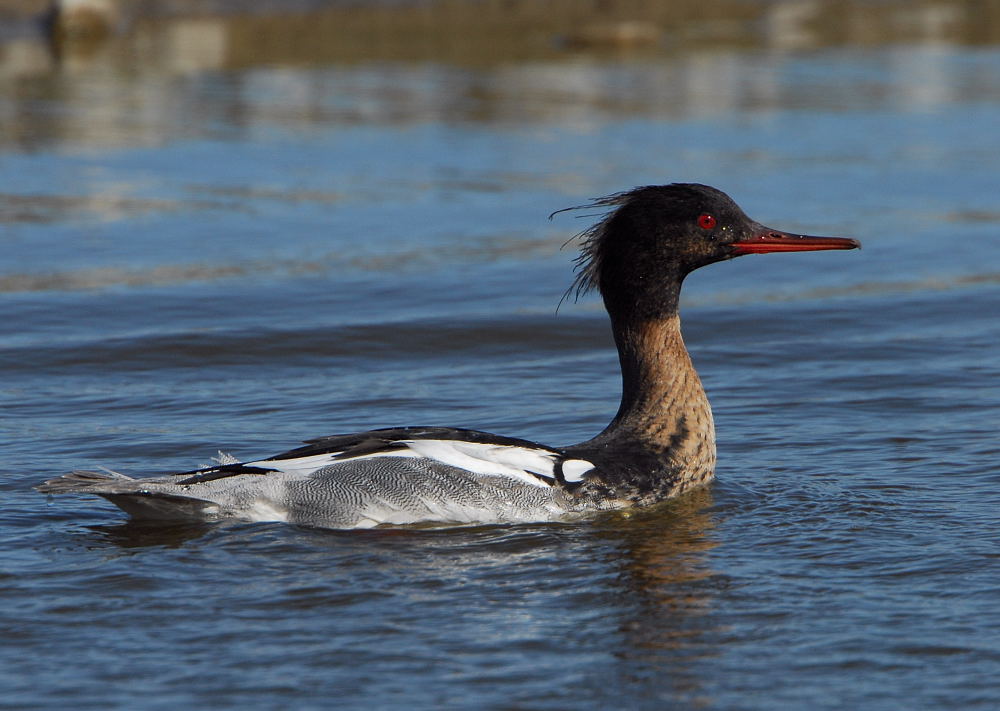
(660, 443)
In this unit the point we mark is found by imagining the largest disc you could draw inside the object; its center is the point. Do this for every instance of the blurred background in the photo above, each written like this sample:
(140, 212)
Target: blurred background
(164, 135)
(235, 225)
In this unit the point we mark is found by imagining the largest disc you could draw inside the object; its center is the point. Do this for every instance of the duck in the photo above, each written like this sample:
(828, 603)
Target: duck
(660, 444)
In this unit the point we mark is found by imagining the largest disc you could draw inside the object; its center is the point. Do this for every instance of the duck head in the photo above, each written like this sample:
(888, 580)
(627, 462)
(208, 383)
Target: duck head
(654, 236)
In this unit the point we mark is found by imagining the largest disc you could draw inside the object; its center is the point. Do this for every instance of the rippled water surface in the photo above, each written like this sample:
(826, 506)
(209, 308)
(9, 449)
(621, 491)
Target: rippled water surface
(203, 251)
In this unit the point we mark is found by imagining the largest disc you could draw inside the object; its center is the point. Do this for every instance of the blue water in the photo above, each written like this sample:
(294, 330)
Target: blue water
(238, 259)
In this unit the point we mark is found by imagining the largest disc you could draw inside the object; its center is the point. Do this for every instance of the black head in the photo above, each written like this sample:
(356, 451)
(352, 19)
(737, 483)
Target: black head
(639, 254)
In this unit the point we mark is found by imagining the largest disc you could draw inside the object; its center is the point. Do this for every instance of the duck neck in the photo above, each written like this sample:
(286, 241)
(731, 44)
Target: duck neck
(664, 408)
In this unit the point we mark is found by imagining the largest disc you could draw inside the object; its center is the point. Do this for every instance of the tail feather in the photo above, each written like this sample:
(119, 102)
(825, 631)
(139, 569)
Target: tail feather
(131, 495)
(88, 482)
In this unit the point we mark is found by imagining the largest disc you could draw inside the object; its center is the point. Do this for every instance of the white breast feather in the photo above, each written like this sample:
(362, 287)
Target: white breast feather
(574, 469)
(264, 511)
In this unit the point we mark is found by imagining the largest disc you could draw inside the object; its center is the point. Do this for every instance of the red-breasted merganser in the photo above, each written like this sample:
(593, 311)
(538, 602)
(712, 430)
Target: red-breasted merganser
(661, 442)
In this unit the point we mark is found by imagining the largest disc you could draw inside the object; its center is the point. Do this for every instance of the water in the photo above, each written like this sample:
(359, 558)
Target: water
(237, 255)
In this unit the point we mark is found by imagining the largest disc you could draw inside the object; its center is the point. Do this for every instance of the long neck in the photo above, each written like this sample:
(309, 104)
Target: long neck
(664, 408)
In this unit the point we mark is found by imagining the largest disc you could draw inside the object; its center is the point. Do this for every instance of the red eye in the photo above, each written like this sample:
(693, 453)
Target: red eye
(706, 221)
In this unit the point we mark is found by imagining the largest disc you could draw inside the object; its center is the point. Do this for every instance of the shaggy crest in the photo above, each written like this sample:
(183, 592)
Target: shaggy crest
(587, 264)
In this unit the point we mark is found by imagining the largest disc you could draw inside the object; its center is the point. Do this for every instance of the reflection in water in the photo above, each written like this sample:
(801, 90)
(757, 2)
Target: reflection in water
(669, 626)
(660, 628)
(145, 534)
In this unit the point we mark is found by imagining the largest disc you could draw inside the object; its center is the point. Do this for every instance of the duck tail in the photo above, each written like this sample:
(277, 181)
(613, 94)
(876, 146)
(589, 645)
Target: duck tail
(134, 496)
(88, 482)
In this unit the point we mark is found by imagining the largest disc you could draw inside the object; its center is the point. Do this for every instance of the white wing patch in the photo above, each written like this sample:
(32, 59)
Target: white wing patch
(298, 465)
(505, 460)
(307, 465)
(531, 466)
